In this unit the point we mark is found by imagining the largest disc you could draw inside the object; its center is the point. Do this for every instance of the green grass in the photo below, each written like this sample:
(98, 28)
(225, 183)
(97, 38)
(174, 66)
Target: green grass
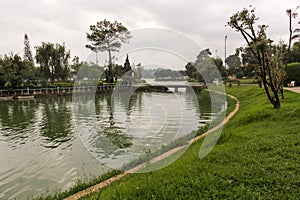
(243, 81)
(79, 186)
(257, 157)
(247, 81)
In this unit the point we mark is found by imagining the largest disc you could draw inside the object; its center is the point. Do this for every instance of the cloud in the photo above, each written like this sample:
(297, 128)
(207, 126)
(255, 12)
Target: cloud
(68, 20)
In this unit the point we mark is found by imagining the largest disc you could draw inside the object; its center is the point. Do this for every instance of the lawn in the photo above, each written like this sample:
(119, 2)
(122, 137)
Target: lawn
(257, 157)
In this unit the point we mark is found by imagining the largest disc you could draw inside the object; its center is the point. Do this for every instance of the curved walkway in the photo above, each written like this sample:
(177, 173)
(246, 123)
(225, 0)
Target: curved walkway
(103, 184)
(293, 89)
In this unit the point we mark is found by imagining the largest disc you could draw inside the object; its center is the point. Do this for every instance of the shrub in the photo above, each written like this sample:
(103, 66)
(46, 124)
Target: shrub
(239, 75)
(63, 84)
(30, 85)
(293, 73)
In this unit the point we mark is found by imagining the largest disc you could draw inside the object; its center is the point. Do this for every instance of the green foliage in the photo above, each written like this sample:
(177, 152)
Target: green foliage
(191, 72)
(233, 61)
(221, 68)
(15, 72)
(248, 65)
(270, 58)
(209, 68)
(27, 50)
(54, 61)
(118, 71)
(89, 71)
(239, 75)
(75, 65)
(293, 73)
(107, 36)
(167, 74)
(63, 84)
(205, 68)
(295, 53)
(127, 66)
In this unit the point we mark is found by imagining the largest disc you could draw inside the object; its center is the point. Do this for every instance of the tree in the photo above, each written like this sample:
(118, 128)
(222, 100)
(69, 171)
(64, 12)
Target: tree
(53, 60)
(270, 59)
(295, 53)
(137, 72)
(166, 74)
(90, 71)
(292, 14)
(118, 71)
(219, 64)
(14, 71)
(234, 64)
(203, 56)
(250, 65)
(107, 36)
(191, 71)
(27, 49)
(10, 68)
(206, 66)
(127, 66)
(76, 64)
(233, 61)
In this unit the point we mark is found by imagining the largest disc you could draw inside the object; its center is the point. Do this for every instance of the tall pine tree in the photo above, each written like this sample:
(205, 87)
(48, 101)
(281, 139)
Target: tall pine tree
(27, 49)
(127, 66)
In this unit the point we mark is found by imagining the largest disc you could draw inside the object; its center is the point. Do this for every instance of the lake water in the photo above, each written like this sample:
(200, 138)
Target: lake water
(47, 144)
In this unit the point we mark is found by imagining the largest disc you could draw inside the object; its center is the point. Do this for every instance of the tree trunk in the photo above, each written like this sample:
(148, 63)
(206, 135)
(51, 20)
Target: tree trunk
(275, 101)
(282, 93)
(110, 75)
(276, 104)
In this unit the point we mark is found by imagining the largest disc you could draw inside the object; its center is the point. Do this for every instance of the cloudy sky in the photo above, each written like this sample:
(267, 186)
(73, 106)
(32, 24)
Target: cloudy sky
(68, 21)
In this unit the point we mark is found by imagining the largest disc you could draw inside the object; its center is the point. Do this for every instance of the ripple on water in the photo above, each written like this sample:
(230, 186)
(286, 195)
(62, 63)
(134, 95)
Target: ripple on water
(42, 151)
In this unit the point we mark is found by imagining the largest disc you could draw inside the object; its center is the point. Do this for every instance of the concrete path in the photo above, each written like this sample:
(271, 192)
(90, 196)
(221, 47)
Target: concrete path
(293, 89)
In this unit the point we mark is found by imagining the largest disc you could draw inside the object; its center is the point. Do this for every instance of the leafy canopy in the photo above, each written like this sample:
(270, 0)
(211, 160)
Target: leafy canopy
(107, 36)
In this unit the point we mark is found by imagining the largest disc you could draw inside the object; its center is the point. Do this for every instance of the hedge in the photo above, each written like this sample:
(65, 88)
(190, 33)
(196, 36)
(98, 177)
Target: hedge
(293, 73)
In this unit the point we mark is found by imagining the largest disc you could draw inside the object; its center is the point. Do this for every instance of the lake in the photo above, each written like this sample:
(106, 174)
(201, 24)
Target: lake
(47, 144)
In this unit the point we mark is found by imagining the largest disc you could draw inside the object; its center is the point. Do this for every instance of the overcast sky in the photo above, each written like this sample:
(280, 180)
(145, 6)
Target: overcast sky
(68, 21)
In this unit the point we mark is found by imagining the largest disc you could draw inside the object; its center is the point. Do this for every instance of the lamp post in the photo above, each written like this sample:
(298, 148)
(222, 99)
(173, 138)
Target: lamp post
(225, 50)
(225, 59)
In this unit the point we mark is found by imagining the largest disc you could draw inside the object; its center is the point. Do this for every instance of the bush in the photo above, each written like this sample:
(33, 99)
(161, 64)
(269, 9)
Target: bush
(29, 85)
(239, 75)
(293, 73)
(63, 84)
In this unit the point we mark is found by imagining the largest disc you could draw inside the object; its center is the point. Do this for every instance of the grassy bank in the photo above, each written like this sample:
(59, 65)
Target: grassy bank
(81, 185)
(257, 157)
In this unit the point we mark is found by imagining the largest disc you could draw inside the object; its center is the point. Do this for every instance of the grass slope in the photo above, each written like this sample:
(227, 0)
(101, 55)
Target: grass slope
(257, 157)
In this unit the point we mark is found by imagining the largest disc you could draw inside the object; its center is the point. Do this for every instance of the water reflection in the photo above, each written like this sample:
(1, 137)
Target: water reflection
(112, 130)
(15, 118)
(56, 126)
(39, 138)
(39, 149)
(124, 125)
(50, 118)
(114, 113)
